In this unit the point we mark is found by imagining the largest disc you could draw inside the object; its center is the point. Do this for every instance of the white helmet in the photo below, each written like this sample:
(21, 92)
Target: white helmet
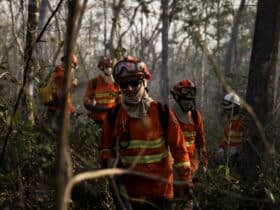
(230, 100)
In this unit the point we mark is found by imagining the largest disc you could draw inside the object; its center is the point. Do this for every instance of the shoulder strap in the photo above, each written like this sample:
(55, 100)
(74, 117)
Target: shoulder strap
(94, 83)
(112, 114)
(194, 115)
(163, 114)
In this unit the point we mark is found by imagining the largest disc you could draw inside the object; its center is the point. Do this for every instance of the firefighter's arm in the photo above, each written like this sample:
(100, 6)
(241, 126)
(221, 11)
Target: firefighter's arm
(106, 153)
(178, 148)
(89, 101)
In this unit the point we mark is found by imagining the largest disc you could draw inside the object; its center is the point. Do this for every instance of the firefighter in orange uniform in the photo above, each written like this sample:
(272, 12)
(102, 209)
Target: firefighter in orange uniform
(136, 140)
(102, 93)
(58, 76)
(232, 141)
(191, 122)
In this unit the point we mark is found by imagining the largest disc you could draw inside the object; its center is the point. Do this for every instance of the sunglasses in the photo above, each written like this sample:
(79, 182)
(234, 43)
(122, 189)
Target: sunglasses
(131, 83)
(187, 92)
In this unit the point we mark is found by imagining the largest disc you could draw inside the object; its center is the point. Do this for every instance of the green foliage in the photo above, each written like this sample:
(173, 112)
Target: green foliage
(28, 173)
(84, 137)
(221, 187)
(92, 194)
(119, 53)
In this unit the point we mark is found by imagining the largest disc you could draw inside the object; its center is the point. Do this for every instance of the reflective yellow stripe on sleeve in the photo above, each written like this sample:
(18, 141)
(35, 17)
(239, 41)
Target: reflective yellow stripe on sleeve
(177, 165)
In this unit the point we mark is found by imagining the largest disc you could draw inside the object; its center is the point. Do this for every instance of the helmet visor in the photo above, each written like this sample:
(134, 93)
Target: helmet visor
(187, 92)
(125, 66)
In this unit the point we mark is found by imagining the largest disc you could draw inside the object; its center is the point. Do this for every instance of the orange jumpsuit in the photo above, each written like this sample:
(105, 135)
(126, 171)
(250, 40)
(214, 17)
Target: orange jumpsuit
(195, 141)
(144, 147)
(233, 133)
(58, 78)
(106, 95)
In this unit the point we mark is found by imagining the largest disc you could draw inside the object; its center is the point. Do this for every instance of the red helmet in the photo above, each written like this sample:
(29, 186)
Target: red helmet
(184, 89)
(74, 59)
(105, 61)
(129, 67)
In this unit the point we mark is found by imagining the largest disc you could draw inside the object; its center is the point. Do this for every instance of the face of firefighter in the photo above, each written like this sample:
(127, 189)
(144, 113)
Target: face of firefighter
(226, 112)
(133, 90)
(108, 71)
(186, 104)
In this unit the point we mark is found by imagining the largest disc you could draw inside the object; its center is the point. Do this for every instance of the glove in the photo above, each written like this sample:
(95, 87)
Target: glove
(188, 177)
(75, 82)
(104, 156)
(189, 192)
(204, 169)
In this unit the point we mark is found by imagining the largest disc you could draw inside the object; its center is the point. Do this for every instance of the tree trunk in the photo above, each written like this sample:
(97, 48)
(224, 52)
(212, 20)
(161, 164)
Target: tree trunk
(40, 55)
(164, 70)
(261, 82)
(233, 37)
(115, 25)
(105, 25)
(64, 164)
(32, 30)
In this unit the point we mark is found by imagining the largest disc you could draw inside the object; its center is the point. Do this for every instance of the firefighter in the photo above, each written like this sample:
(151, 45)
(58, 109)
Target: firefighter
(191, 122)
(102, 93)
(55, 107)
(135, 139)
(232, 141)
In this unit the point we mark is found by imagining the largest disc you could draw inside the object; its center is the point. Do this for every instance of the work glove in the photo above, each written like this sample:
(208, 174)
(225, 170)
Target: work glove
(204, 169)
(189, 192)
(107, 163)
(104, 158)
(93, 102)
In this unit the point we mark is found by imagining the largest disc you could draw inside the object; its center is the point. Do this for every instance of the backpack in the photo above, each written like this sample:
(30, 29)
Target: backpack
(46, 90)
(194, 115)
(94, 83)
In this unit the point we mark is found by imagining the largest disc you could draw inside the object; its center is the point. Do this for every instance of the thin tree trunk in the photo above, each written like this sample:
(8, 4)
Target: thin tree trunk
(83, 9)
(233, 38)
(32, 30)
(105, 25)
(42, 19)
(64, 164)
(115, 25)
(164, 70)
